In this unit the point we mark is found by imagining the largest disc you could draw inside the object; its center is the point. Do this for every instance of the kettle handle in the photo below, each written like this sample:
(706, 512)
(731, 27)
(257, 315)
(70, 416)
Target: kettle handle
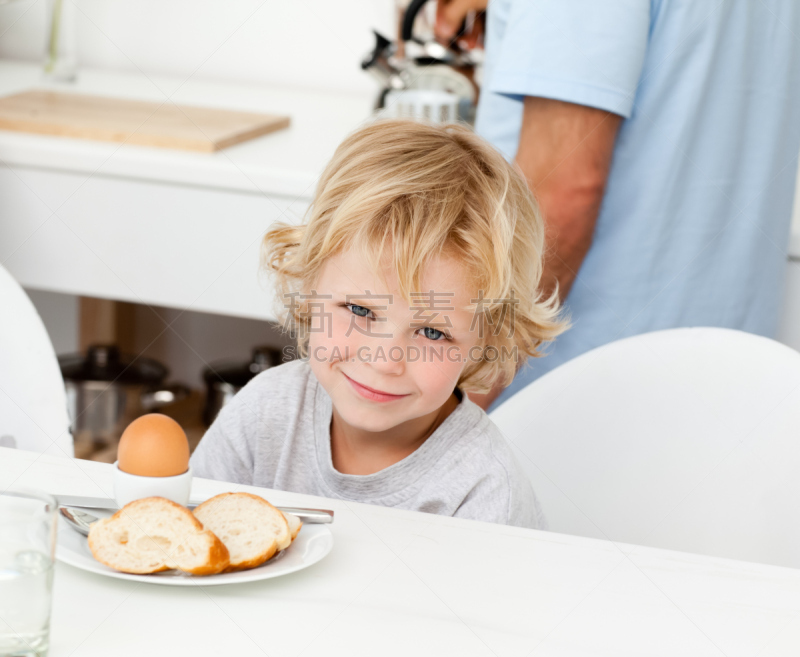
(407, 33)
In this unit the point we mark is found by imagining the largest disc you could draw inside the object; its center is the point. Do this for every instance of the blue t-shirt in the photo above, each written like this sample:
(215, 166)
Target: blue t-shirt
(694, 226)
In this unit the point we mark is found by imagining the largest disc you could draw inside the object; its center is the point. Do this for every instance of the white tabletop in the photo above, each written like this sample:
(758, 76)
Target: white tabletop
(404, 583)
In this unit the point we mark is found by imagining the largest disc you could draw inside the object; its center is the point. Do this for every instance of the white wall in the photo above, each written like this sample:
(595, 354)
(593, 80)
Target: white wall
(306, 43)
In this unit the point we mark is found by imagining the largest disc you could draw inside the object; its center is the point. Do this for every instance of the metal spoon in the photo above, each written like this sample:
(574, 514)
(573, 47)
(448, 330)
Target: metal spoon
(81, 521)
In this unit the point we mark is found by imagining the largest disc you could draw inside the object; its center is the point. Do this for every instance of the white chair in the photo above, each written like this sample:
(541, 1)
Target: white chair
(33, 402)
(687, 439)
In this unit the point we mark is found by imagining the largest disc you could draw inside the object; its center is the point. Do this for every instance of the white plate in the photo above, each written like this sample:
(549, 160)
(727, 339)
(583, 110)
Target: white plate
(312, 544)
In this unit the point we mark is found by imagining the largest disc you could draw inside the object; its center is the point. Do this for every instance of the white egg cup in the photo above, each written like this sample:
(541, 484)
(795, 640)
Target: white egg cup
(129, 487)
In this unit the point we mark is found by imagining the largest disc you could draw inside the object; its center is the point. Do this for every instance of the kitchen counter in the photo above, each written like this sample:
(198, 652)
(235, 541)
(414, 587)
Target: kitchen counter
(176, 228)
(160, 226)
(285, 163)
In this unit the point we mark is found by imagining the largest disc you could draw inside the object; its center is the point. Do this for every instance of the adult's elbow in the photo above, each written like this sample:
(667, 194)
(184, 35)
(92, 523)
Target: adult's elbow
(581, 194)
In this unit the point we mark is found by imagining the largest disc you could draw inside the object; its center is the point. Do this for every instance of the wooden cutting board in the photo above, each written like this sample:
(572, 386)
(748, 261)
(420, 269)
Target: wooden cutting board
(134, 122)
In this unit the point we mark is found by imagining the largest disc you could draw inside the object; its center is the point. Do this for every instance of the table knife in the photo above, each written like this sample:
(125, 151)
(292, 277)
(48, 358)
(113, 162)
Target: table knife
(310, 516)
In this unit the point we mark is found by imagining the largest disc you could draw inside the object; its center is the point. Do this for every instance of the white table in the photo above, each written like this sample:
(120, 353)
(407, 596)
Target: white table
(404, 583)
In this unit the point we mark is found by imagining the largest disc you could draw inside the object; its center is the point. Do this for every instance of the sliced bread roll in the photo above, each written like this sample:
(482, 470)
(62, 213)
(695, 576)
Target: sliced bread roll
(252, 529)
(155, 534)
(294, 524)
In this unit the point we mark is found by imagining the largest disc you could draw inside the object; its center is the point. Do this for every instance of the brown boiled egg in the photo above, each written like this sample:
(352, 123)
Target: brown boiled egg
(153, 445)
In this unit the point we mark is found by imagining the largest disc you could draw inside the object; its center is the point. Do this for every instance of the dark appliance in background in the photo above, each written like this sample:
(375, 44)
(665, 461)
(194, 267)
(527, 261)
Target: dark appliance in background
(107, 390)
(225, 378)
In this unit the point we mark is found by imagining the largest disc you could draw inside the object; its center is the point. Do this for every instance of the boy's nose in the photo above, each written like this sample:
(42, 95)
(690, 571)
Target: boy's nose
(385, 353)
(388, 357)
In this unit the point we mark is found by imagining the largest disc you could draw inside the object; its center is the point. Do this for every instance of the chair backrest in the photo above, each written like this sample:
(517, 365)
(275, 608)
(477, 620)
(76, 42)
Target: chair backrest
(687, 439)
(33, 402)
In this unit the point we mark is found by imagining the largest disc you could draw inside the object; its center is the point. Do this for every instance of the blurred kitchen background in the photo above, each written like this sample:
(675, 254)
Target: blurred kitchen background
(308, 52)
(139, 283)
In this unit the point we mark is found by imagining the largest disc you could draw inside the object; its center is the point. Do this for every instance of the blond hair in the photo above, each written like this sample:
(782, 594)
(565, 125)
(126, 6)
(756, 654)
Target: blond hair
(426, 191)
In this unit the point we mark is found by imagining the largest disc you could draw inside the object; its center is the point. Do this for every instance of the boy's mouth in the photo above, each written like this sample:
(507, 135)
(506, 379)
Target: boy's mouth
(371, 393)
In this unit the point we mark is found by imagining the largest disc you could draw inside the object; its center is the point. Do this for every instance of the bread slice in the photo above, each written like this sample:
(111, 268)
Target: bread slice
(294, 524)
(252, 529)
(155, 534)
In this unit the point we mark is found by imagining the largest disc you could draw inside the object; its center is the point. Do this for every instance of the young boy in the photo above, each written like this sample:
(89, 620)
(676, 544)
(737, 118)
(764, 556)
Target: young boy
(414, 282)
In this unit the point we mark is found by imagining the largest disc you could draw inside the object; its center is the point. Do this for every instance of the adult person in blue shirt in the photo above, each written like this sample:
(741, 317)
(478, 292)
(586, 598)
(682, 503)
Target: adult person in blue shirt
(661, 139)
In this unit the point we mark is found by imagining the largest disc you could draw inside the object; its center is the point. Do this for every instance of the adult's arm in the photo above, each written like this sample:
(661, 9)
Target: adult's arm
(565, 153)
(588, 57)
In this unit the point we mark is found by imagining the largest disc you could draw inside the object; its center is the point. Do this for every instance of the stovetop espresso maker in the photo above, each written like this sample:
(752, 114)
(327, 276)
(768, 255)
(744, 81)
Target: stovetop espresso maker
(418, 61)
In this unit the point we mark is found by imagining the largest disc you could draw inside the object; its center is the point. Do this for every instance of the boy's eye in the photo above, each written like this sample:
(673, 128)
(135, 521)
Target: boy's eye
(359, 310)
(433, 334)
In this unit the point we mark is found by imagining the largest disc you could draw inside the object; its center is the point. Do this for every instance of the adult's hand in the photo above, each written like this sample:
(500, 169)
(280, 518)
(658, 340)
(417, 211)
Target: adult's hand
(450, 14)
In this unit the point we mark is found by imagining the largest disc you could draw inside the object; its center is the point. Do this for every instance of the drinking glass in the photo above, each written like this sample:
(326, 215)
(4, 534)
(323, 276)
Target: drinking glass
(27, 547)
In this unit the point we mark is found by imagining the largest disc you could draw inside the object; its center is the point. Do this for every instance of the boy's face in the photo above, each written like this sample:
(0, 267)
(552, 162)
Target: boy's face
(385, 360)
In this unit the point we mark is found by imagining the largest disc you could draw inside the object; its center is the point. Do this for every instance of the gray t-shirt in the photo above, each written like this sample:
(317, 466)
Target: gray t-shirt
(276, 433)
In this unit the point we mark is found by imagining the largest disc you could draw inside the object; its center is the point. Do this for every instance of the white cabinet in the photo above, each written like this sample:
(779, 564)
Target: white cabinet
(166, 245)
